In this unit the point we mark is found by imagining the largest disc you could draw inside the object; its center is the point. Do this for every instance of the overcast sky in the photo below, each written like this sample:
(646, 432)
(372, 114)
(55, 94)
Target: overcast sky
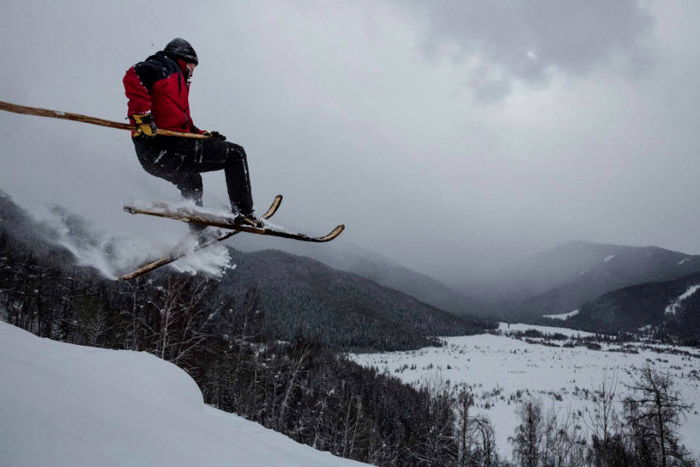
(449, 135)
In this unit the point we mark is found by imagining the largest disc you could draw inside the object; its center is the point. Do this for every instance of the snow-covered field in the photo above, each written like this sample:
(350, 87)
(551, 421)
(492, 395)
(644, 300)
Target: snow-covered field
(501, 370)
(68, 405)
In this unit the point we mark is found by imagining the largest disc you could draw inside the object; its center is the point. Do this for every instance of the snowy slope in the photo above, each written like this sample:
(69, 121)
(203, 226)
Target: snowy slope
(501, 371)
(68, 405)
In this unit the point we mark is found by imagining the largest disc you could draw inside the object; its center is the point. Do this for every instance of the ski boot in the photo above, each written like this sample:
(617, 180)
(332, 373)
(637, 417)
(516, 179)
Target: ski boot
(248, 220)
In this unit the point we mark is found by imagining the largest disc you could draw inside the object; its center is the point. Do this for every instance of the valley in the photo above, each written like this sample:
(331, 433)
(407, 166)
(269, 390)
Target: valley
(504, 368)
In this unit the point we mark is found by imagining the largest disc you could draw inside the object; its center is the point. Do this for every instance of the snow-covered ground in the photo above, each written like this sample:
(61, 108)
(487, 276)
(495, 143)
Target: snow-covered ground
(68, 405)
(501, 370)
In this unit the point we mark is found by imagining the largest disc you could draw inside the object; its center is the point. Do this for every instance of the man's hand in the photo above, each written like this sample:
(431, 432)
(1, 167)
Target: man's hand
(145, 125)
(215, 135)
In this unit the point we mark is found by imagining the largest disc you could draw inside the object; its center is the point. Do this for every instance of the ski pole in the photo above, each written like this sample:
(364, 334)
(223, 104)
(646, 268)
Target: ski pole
(21, 109)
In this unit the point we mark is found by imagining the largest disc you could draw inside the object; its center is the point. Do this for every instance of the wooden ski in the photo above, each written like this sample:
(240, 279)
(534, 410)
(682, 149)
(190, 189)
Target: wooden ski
(228, 223)
(165, 260)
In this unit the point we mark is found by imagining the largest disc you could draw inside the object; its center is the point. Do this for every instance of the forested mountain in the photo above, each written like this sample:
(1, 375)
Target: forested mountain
(345, 256)
(563, 278)
(299, 294)
(669, 308)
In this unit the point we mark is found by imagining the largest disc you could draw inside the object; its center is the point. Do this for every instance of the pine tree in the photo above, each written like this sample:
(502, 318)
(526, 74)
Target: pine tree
(652, 415)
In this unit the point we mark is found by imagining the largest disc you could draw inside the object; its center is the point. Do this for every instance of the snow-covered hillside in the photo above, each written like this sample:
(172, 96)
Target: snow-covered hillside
(68, 405)
(501, 371)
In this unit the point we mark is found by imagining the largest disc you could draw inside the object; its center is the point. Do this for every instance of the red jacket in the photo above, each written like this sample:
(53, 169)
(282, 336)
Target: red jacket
(158, 86)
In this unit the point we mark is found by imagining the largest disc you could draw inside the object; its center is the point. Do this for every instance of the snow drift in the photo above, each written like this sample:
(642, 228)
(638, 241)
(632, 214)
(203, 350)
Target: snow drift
(68, 405)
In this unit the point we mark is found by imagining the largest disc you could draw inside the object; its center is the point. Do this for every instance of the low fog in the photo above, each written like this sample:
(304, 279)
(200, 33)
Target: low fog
(453, 137)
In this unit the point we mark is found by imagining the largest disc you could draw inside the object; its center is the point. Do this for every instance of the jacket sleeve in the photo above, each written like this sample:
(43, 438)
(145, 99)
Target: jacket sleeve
(136, 91)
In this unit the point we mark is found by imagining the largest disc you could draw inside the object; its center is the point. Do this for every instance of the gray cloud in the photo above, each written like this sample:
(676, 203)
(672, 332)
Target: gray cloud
(526, 40)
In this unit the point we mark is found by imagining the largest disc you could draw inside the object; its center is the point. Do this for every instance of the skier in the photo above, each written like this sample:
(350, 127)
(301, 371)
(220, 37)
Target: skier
(158, 91)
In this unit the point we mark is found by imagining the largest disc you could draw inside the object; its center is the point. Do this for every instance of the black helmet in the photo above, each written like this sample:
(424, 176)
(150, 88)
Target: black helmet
(180, 48)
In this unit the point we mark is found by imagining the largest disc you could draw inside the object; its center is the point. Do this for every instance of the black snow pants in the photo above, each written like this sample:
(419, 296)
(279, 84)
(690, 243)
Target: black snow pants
(181, 160)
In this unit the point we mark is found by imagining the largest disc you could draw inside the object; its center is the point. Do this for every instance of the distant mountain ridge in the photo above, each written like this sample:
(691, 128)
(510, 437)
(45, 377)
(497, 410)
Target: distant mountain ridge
(563, 278)
(378, 268)
(673, 307)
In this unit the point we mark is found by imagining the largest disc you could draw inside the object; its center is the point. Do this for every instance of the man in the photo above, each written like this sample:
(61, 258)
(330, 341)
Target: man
(158, 93)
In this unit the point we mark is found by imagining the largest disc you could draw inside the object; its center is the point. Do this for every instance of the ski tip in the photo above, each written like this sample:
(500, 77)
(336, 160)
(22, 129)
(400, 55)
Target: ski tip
(276, 201)
(333, 234)
(274, 206)
(125, 277)
(129, 209)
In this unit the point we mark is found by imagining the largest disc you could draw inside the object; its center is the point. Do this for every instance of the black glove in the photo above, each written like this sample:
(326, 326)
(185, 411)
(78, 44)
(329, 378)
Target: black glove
(215, 135)
(145, 125)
